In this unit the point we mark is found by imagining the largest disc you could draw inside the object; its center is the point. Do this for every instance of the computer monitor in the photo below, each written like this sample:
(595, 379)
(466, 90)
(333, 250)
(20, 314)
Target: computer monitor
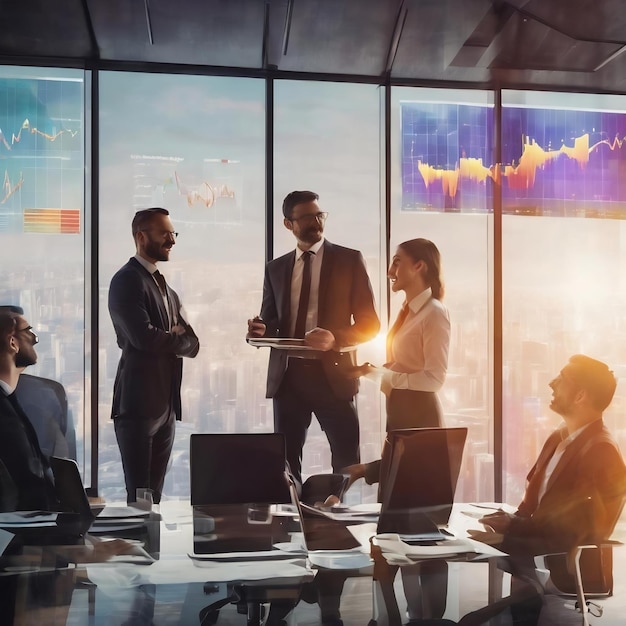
(419, 473)
(238, 469)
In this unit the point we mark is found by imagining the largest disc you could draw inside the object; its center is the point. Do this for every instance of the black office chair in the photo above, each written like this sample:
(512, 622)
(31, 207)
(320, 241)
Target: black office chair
(233, 469)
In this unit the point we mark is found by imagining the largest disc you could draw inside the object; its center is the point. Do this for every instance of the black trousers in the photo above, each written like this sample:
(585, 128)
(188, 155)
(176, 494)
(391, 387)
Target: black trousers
(305, 390)
(413, 409)
(145, 446)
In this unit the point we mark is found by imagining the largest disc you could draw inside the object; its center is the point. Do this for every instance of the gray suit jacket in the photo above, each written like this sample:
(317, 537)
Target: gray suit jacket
(346, 308)
(150, 369)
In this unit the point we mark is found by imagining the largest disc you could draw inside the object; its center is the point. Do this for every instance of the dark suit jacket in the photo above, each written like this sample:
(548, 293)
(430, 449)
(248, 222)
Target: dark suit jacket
(24, 464)
(150, 369)
(583, 498)
(346, 308)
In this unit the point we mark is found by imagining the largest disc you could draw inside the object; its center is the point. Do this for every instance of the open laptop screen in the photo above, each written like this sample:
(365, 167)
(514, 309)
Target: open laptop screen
(419, 473)
(238, 468)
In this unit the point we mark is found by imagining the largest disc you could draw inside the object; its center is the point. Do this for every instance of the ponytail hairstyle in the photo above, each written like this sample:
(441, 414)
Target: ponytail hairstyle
(425, 250)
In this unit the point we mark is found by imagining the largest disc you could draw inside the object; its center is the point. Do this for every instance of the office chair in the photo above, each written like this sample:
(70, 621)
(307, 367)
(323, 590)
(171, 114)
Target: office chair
(45, 403)
(583, 574)
(242, 469)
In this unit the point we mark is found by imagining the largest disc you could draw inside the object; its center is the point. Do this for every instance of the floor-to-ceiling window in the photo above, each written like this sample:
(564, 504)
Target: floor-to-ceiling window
(564, 252)
(42, 226)
(328, 139)
(442, 190)
(195, 145)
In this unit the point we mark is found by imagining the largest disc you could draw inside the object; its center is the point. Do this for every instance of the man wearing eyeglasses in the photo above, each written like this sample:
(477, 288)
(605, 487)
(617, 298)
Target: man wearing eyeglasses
(320, 292)
(26, 481)
(153, 334)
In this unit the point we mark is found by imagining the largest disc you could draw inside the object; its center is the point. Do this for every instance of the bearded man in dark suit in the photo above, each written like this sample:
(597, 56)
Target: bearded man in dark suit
(153, 333)
(575, 490)
(333, 315)
(26, 480)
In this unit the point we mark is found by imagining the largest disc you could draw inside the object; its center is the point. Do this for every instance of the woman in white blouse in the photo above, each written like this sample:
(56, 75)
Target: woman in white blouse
(417, 345)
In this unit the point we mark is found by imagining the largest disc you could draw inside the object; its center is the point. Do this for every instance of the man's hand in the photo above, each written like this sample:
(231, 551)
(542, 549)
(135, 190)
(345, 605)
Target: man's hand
(499, 521)
(354, 472)
(358, 370)
(486, 536)
(178, 330)
(256, 328)
(320, 339)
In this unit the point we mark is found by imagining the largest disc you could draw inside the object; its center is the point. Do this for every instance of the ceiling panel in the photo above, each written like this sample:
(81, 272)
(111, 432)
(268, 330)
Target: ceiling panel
(339, 37)
(214, 32)
(32, 28)
(564, 44)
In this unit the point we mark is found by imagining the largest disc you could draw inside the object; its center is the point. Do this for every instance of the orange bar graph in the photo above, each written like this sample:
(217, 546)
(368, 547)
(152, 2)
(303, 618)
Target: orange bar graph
(52, 221)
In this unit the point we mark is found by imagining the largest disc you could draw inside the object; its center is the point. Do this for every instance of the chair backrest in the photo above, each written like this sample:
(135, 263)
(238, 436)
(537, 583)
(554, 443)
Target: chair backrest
(418, 477)
(45, 403)
(244, 468)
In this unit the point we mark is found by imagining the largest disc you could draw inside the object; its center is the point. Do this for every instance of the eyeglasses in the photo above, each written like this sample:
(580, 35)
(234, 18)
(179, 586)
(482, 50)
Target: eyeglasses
(29, 330)
(310, 217)
(164, 233)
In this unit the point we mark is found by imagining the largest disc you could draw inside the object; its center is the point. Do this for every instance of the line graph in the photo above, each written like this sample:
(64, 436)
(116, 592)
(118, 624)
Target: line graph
(26, 127)
(553, 162)
(10, 188)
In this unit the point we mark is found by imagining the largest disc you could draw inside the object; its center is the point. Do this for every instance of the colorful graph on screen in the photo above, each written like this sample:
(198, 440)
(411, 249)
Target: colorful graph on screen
(206, 189)
(560, 163)
(42, 156)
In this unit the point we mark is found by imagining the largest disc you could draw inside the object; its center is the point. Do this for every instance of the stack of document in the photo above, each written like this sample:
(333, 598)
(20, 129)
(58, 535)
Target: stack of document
(399, 552)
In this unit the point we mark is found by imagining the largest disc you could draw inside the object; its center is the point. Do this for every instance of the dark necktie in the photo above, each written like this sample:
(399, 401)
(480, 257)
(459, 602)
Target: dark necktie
(161, 282)
(305, 290)
(404, 311)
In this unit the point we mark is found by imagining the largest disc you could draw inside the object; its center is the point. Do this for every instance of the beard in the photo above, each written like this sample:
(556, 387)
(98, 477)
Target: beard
(157, 251)
(24, 358)
(311, 235)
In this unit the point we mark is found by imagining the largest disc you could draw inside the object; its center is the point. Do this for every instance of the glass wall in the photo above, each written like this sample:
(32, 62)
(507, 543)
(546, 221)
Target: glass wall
(195, 145)
(564, 249)
(442, 189)
(42, 238)
(328, 139)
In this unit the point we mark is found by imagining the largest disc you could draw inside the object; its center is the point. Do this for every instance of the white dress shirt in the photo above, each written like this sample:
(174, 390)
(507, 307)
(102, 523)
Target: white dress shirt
(296, 285)
(556, 457)
(419, 351)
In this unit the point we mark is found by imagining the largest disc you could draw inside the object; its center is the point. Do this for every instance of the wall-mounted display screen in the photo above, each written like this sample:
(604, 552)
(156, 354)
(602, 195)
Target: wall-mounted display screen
(446, 157)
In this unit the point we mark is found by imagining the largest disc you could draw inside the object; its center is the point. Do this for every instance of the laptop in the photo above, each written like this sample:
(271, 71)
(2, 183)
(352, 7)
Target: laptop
(419, 474)
(237, 479)
(73, 498)
(238, 468)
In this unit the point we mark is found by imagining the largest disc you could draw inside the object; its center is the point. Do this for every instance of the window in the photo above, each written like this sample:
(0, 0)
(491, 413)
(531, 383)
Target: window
(42, 223)
(327, 139)
(563, 250)
(194, 145)
(441, 146)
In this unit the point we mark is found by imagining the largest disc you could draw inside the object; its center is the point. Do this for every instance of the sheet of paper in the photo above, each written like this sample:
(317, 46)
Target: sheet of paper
(27, 519)
(5, 539)
(180, 570)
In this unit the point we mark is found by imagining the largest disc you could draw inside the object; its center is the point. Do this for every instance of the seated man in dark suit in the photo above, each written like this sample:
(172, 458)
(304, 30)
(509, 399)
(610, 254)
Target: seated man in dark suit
(27, 482)
(575, 490)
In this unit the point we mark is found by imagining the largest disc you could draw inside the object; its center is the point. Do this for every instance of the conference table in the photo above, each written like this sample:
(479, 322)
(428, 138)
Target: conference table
(243, 564)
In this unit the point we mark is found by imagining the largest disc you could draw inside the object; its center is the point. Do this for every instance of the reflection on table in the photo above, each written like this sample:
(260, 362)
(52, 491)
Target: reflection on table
(209, 564)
